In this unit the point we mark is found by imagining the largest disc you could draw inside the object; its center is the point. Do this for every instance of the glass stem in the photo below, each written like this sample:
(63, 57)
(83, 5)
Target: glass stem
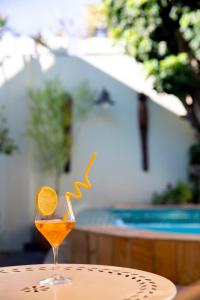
(55, 258)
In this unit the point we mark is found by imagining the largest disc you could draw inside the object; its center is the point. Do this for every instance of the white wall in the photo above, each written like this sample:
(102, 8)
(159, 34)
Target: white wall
(117, 175)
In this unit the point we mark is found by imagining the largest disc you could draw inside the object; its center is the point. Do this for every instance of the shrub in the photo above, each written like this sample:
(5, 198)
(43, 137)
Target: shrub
(182, 193)
(7, 145)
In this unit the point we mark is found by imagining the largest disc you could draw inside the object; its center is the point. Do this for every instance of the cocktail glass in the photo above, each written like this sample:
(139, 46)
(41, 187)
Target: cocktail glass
(55, 228)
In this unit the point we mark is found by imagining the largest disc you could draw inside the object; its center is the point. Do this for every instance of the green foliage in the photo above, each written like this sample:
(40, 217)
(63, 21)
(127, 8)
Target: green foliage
(83, 97)
(182, 193)
(7, 145)
(48, 121)
(3, 21)
(165, 35)
(172, 75)
(190, 29)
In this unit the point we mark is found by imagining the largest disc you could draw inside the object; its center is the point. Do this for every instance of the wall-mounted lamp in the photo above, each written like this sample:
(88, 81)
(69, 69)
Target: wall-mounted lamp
(104, 99)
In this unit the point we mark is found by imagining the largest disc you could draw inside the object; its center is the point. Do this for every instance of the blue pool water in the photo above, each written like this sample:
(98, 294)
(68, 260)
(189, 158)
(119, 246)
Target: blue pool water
(163, 220)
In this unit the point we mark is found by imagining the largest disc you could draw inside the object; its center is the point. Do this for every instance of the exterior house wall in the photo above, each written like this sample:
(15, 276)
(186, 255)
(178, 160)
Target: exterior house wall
(117, 175)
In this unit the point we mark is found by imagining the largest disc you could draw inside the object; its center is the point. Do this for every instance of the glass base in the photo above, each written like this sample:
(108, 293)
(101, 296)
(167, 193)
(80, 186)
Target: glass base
(55, 279)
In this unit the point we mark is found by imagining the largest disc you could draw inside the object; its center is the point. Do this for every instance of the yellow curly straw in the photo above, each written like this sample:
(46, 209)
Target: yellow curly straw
(78, 184)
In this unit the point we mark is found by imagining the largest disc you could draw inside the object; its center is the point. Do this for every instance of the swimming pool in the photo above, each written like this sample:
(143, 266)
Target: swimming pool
(169, 220)
(172, 220)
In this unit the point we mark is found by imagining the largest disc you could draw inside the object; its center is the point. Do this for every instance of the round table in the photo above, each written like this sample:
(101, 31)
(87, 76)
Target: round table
(90, 282)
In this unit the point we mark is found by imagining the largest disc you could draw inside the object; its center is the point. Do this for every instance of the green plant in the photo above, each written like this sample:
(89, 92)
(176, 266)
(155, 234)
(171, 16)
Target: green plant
(50, 122)
(165, 36)
(3, 23)
(83, 96)
(182, 193)
(7, 145)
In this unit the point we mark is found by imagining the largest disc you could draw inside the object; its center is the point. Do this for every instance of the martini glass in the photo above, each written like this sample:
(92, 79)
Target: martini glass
(55, 228)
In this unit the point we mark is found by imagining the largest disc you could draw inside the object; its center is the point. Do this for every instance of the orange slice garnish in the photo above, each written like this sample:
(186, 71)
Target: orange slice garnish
(46, 201)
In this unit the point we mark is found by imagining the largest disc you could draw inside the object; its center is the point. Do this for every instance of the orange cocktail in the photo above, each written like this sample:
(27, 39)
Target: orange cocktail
(55, 218)
(55, 230)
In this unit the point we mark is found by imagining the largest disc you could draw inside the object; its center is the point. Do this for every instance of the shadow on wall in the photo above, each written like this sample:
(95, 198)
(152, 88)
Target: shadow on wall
(113, 134)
